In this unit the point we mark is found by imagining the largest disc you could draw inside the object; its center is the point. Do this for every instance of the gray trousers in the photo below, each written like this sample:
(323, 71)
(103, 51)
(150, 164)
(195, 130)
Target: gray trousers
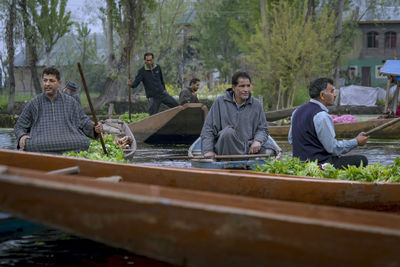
(155, 102)
(228, 143)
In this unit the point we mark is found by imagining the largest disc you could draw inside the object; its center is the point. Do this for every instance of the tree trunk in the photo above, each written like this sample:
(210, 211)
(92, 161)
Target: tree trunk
(11, 52)
(338, 40)
(263, 17)
(132, 19)
(279, 93)
(29, 35)
(293, 95)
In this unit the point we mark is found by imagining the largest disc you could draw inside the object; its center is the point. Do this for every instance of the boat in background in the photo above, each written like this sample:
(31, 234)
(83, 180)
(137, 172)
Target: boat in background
(179, 125)
(351, 194)
(348, 130)
(197, 228)
(124, 137)
(245, 163)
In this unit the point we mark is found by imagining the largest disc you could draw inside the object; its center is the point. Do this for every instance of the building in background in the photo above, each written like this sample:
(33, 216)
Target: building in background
(378, 40)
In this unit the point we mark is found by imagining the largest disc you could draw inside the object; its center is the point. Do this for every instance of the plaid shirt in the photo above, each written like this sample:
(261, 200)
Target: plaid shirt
(54, 126)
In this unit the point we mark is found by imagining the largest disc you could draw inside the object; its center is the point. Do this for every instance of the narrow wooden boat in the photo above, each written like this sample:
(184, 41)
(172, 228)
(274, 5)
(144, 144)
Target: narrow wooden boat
(121, 131)
(361, 195)
(193, 228)
(179, 125)
(348, 130)
(275, 115)
(244, 163)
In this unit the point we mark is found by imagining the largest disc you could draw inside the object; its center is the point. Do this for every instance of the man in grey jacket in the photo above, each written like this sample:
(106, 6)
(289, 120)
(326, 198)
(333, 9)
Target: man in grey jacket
(236, 122)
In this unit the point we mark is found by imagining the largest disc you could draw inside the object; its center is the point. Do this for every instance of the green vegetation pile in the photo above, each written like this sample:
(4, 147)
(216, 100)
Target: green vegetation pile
(95, 151)
(371, 173)
(134, 117)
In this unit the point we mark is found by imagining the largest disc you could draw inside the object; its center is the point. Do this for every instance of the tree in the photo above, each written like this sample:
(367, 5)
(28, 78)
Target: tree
(217, 50)
(52, 23)
(295, 50)
(31, 41)
(11, 22)
(125, 19)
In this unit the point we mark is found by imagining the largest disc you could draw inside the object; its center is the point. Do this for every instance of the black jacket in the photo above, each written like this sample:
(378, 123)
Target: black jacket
(153, 81)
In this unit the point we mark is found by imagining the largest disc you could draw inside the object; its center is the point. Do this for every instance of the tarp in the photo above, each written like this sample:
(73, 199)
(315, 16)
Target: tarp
(357, 95)
(360, 95)
(391, 67)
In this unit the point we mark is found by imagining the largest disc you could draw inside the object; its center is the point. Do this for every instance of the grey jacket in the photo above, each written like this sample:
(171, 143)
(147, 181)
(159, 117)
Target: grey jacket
(54, 126)
(249, 121)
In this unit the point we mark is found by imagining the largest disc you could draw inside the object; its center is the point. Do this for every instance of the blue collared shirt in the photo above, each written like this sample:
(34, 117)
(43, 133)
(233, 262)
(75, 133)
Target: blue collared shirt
(325, 130)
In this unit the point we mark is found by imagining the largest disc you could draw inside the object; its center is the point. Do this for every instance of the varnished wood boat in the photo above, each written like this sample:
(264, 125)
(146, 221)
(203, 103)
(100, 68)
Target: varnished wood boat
(275, 115)
(193, 228)
(361, 195)
(120, 130)
(348, 130)
(179, 125)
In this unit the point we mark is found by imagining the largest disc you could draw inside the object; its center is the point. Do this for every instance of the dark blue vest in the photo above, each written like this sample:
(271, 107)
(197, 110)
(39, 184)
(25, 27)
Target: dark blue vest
(306, 145)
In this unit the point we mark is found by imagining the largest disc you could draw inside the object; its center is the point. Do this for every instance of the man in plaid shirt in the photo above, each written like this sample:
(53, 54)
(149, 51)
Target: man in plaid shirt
(53, 122)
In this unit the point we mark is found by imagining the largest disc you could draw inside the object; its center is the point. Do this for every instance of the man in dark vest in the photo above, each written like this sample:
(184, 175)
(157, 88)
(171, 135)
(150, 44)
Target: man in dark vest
(312, 133)
(151, 77)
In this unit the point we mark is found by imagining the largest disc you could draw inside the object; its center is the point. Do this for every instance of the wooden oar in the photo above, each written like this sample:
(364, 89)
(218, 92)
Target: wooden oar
(221, 157)
(380, 127)
(129, 77)
(91, 106)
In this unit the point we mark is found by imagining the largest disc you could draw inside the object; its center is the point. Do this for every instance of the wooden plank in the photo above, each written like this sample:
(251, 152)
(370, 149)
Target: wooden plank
(194, 228)
(374, 196)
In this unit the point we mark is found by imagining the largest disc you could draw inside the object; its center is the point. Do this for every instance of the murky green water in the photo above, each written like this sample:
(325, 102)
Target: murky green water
(49, 247)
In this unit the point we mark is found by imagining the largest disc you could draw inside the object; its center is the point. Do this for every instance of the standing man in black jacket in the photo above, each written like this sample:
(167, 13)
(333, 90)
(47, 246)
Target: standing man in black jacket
(151, 76)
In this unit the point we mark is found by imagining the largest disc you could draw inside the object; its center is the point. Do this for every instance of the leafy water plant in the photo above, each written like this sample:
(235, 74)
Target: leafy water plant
(95, 151)
(134, 117)
(371, 173)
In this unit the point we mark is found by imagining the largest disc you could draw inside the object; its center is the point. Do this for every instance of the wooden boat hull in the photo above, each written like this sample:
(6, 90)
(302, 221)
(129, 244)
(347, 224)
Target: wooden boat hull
(179, 125)
(192, 228)
(348, 130)
(361, 195)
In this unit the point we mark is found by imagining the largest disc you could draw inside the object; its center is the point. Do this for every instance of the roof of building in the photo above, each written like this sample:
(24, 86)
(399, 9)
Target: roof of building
(382, 15)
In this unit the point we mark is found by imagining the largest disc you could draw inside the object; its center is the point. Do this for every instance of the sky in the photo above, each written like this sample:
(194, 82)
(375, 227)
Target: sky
(85, 10)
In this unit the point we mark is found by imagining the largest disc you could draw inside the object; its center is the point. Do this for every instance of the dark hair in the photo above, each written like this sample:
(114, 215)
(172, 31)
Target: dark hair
(193, 81)
(239, 74)
(148, 54)
(317, 86)
(51, 71)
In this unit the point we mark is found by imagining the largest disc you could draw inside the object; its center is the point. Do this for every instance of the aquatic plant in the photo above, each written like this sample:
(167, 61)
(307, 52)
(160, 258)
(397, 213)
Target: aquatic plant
(371, 173)
(95, 151)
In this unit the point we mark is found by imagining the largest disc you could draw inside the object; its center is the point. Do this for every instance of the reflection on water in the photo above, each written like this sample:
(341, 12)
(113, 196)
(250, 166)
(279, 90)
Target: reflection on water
(55, 248)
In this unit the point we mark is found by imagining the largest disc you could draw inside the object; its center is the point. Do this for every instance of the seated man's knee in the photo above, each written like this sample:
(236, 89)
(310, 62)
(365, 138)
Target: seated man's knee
(227, 132)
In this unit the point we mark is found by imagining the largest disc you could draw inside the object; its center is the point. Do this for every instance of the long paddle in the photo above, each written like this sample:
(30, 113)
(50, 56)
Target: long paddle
(380, 127)
(221, 157)
(91, 106)
(129, 77)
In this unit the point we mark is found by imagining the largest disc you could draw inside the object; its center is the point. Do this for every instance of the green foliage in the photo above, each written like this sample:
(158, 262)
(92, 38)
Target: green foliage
(212, 30)
(52, 22)
(371, 173)
(217, 90)
(295, 49)
(134, 117)
(95, 151)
